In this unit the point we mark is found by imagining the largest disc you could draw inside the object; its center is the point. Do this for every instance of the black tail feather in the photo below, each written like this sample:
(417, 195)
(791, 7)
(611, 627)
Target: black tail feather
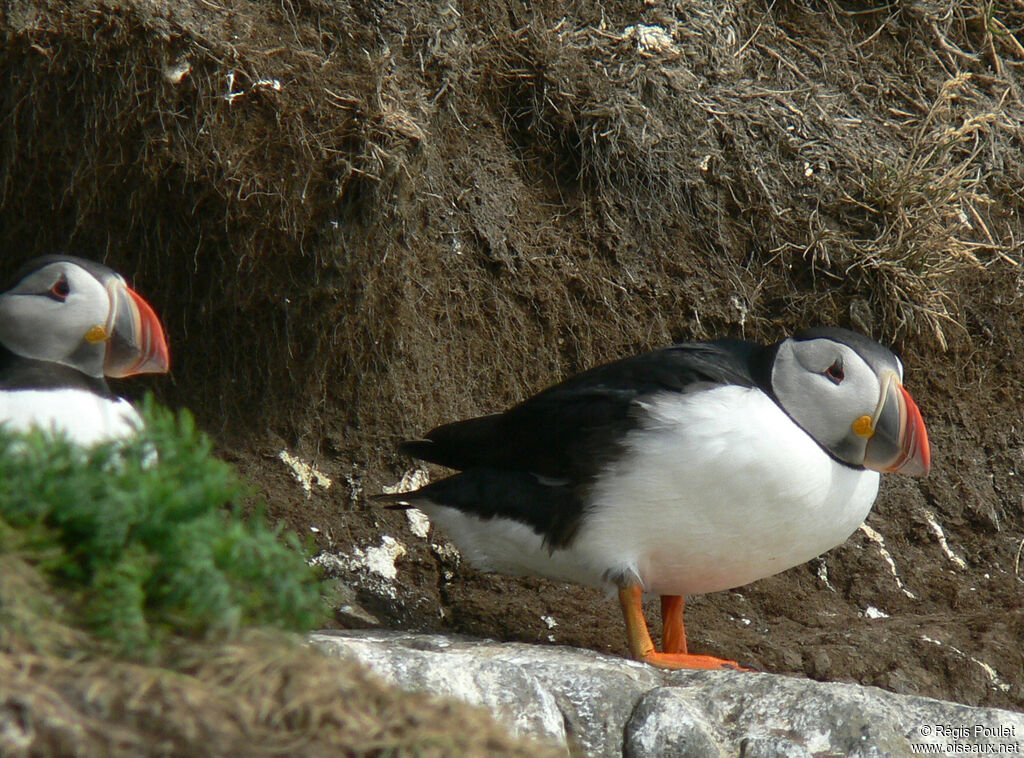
(421, 449)
(397, 501)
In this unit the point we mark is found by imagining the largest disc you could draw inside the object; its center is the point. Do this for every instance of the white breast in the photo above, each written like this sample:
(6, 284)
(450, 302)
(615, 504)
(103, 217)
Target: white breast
(717, 489)
(84, 417)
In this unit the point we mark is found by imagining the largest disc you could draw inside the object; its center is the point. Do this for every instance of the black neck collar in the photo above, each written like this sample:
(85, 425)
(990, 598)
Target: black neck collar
(19, 373)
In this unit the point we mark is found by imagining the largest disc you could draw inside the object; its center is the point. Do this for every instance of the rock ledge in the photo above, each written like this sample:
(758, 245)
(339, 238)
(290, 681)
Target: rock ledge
(598, 705)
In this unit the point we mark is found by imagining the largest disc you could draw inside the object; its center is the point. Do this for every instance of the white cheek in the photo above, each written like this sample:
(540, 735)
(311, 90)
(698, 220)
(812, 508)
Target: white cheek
(839, 406)
(865, 391)
(40, 327)
(62, 326)
(88, 308)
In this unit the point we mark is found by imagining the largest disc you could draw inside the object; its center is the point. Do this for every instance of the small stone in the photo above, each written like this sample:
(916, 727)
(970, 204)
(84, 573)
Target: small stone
(772, 747)
(820, 666)
(665, 724)
(175, 73)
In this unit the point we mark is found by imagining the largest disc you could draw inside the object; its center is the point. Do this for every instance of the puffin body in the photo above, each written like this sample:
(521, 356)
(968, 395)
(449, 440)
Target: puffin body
(65, 325)
(802, 503)
(692, 469)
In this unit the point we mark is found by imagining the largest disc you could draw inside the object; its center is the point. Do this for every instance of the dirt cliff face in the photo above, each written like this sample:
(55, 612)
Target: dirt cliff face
(363, 219)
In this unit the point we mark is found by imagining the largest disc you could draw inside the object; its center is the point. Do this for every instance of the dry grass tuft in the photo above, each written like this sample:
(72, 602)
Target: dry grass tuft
(266, 696)
(31, 617)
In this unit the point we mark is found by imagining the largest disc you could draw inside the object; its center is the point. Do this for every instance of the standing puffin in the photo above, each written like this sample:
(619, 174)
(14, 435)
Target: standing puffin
(695, 468)
(65, 325)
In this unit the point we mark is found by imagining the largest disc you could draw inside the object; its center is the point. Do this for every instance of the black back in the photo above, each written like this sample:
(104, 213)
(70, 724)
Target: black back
(536, 461)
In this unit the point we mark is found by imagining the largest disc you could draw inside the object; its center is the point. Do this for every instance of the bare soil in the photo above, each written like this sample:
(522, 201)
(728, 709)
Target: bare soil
(363, 219)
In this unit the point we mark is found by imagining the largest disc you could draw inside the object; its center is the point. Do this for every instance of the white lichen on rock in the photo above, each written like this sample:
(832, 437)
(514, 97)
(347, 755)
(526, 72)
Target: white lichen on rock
(990, 672)
(419, 524)
(652, 40)
(823, 574)
(887, 557)
(381, 560)
(305, 474)
(411, 480)
(377, 564)
(943, 543)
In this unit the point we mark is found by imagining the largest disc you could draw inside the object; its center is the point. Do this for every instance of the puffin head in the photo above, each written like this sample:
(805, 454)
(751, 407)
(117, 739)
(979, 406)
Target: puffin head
(846, 391)
(81, 314)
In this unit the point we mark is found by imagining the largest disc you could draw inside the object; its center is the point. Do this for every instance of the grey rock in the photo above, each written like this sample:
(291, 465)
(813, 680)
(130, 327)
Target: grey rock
(772, 747)
(585, 705)
(667, 724)
(598, 705)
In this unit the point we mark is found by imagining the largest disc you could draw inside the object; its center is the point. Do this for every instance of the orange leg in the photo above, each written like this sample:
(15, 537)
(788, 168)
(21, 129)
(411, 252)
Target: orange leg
(673, 633)
(642, 646)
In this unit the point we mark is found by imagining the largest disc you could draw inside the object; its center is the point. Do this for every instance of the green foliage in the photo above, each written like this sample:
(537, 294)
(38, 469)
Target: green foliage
(145, 539)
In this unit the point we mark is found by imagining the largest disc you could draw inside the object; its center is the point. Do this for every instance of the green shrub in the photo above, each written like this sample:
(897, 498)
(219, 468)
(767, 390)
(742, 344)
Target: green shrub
(145, 540)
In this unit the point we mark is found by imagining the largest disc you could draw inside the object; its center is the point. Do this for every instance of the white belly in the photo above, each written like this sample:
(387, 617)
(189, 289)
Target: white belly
(719, 489)
(85, 418)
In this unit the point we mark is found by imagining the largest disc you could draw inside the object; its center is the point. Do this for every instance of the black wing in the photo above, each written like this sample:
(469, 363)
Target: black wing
(566, 431)
(553, 510)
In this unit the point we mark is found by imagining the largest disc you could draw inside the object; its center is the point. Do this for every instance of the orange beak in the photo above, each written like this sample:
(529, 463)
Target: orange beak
(900, 442)
(137, 343)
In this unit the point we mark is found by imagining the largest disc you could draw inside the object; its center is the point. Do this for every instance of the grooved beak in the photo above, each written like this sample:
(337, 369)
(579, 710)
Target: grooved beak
(136, 341)
(900, 442)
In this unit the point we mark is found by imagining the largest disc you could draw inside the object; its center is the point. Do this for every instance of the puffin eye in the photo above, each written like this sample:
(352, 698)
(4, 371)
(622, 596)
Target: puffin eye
(60, 290)
(835, 372)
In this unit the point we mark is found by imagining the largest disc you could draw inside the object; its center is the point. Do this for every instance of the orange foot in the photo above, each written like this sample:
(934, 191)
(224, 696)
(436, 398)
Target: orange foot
(686, 661)
(675, 655)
